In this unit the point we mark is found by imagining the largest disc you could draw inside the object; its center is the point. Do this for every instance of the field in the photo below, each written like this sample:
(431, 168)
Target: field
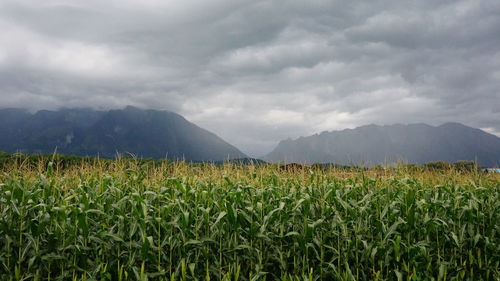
(129, 220)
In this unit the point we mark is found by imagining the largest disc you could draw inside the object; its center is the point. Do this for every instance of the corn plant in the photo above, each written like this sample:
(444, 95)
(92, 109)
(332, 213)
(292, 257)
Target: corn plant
(181, 221)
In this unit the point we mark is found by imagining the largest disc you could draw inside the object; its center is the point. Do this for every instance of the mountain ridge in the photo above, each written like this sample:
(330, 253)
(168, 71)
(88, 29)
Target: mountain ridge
(374, 144)
(86, 132)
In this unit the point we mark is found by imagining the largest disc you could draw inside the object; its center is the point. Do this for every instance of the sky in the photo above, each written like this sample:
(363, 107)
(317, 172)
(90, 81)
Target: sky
(257, 72)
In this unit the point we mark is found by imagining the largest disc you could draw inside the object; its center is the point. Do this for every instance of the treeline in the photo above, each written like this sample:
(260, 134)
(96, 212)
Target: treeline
(462, 166)
(62, 161)
(65, 161)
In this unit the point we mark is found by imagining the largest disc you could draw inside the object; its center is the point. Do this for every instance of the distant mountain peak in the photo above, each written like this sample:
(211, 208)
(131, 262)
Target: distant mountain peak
(454, 125)
(145, 133)
(374, 144)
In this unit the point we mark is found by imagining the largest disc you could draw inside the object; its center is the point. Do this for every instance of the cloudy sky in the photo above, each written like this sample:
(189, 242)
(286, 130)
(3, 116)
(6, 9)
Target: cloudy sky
(256, 72)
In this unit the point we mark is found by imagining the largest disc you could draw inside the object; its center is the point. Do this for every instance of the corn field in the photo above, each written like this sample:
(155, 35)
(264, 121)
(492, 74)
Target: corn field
(180, 221)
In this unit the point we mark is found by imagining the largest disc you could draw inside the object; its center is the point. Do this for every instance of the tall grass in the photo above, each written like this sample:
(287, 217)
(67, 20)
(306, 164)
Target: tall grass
(179, 221)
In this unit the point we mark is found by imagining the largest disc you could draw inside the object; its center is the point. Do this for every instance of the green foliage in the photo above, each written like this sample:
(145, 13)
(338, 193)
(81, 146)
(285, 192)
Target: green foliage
(128, 220)
(61, 161)
(459, 166)
(438, 166)
(465, 166)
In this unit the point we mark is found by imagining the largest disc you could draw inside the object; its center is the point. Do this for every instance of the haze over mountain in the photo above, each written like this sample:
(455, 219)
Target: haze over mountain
(372, 144)
(144, 133)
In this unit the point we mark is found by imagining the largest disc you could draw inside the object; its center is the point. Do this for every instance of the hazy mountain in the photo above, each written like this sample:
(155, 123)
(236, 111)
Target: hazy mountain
(243, 161)
(144, 133)
(372, 144)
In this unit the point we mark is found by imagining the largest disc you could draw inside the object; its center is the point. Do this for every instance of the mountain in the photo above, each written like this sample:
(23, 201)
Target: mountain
(372, 144)
(242, 161)
(143, 133)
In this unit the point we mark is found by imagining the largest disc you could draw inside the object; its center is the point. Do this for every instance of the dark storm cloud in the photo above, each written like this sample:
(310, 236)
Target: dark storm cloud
(256, 72)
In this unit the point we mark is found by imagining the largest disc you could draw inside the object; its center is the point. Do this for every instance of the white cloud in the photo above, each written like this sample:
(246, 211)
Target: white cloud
(22, 47)
(492, 131)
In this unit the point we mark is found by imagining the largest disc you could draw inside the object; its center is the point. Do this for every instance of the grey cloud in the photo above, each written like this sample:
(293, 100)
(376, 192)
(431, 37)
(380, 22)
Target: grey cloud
(256, 72)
